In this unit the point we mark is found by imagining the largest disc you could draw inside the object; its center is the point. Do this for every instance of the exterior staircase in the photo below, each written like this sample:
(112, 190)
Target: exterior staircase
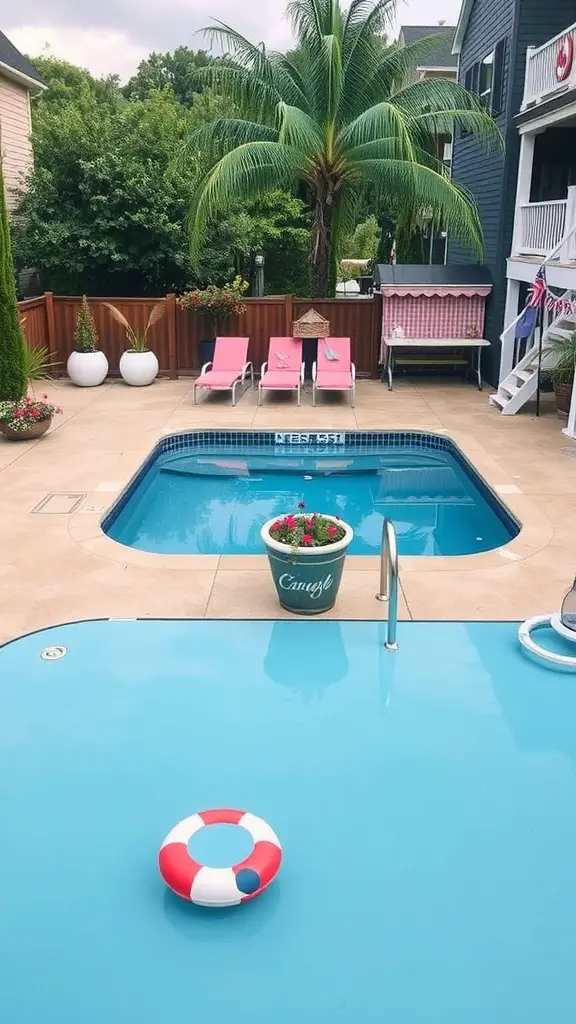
(520, 385)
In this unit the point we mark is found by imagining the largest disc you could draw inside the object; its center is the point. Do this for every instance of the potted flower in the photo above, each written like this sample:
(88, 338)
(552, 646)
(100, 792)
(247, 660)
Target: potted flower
(306, 553)
(87, 366)
(138, 365)
(27, 419)
(217, 304)
(561, 370)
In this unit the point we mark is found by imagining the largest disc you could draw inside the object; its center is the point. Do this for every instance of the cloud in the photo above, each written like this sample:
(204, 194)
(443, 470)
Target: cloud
(112, 36)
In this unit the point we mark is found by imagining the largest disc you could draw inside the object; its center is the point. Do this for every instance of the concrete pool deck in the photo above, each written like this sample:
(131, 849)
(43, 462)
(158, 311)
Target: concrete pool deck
(56, 565)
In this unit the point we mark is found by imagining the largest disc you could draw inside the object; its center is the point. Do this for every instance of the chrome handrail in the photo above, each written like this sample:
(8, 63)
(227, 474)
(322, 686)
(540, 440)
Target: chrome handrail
(389, 581)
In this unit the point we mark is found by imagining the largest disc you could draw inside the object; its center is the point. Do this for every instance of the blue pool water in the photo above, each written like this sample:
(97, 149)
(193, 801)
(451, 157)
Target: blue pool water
(425, 802)
(216, 501)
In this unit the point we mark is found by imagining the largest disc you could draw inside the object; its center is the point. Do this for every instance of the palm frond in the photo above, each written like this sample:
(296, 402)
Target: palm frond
(255, 98)
(216, 138)
(298, 129)
(411, 186)
(307, 18)
(241, 174)
(378, 122)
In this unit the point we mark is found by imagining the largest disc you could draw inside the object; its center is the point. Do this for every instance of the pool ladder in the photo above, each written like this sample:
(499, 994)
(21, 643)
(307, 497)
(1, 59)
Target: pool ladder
(389, 581)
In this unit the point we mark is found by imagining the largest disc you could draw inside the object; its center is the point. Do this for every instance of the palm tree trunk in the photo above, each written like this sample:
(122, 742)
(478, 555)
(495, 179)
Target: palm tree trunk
(321, 245)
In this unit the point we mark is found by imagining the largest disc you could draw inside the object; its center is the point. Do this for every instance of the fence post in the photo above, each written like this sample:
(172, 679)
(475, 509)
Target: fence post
(288, 315)
(50, 323)
(172, 353)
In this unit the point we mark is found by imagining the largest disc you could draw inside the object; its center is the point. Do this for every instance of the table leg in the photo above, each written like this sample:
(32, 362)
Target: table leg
(389, 368)
(479, 368)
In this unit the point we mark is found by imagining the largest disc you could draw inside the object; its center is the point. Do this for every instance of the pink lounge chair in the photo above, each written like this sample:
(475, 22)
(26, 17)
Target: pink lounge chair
(334, 370)
(284, 369)
(229, 368)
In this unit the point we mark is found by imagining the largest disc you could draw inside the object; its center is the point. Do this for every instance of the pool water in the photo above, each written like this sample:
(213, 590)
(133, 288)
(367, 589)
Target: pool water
(424, 799)
(216, 502)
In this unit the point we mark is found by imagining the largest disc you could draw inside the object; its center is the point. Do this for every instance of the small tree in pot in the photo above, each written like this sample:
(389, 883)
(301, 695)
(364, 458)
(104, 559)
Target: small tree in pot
(561, 373)
(87, 366)
(218, 305)
(138, 365)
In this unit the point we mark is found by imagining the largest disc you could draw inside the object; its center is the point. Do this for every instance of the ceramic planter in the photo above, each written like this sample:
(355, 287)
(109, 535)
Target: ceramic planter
(307, 579)
(31, 433)
(87, 369)
(138, 368)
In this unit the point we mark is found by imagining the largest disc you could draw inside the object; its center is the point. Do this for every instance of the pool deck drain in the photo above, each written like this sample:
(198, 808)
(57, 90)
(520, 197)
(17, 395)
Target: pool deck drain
(60, 567)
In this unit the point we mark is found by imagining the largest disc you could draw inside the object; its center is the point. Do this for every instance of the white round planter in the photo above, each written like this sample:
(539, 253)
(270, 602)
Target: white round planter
(87, 369)
(138, 368)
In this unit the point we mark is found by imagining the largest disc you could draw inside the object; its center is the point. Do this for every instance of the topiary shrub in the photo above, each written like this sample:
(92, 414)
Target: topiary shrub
(85, 335)
(12, 355)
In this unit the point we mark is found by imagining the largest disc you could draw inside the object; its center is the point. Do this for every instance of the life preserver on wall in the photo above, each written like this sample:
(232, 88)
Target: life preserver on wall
(564, 58)
(220, 887)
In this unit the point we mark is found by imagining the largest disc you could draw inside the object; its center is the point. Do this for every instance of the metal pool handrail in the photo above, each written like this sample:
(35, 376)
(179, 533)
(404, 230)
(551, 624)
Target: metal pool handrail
(389, 580)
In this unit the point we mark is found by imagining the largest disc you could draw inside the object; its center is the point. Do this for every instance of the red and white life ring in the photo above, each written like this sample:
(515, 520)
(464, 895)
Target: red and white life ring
(220, 887)
(565, 58)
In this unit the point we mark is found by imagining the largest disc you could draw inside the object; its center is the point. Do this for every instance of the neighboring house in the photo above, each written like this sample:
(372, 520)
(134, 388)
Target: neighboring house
(18, 81)
(519, 56)
(440, 63)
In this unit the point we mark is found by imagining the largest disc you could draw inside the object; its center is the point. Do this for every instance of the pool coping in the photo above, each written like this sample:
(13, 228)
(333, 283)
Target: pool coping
(536, 530)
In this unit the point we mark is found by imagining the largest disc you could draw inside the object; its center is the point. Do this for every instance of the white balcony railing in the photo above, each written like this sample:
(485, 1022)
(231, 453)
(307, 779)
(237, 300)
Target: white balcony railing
(550, 68)
(541, 227)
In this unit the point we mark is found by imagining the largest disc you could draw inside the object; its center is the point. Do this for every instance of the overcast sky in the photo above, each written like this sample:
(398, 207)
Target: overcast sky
(114, 35)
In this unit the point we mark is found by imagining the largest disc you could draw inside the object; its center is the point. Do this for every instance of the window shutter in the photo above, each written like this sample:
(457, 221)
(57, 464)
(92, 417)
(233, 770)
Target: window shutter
(468, 79)
(475, 87)
(497, 105)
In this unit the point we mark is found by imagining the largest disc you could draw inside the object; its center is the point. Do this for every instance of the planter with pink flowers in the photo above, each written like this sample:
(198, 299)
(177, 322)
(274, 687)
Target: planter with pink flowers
(306, 552)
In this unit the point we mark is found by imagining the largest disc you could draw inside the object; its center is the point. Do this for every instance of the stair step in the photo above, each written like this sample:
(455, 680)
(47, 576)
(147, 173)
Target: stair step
(509, 389)
(524, 375)
(497, 400)
(559, 332)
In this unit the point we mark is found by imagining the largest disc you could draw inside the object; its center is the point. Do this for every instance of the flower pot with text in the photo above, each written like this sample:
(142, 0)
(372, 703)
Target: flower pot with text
(138, 369)
(306, 553)
(87, 369)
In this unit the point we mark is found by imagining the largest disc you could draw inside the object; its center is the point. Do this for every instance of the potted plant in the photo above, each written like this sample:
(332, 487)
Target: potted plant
(562, 355)
(306, 553)
(217, 304)
(27, 419)
(87, 366)
(138, 365)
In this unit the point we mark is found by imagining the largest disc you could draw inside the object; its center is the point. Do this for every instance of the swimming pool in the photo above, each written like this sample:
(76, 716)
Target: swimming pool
(209, 493)
(424, 801)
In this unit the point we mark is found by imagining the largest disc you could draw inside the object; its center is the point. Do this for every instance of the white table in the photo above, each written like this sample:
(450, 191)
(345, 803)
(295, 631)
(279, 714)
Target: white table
(392, 344)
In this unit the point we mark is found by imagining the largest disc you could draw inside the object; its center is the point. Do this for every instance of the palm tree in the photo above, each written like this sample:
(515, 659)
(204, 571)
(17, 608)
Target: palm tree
(333, 116)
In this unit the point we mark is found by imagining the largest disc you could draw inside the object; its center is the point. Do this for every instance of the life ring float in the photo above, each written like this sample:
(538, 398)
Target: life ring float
(565, 58)
(563, 661)
(220, 887)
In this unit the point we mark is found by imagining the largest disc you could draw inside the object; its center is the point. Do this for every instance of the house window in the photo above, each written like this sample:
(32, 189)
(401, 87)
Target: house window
(485, 77)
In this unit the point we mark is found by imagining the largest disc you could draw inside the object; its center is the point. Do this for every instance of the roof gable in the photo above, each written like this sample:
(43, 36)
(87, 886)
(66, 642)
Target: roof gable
(465, 12)
(13, 63)
(442, 57)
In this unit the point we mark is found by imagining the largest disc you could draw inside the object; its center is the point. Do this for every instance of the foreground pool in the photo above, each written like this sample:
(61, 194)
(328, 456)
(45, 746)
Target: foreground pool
(211, 493)
(425, 802)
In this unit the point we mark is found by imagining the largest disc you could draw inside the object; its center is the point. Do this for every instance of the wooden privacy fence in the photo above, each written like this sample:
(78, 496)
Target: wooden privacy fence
(49, 321)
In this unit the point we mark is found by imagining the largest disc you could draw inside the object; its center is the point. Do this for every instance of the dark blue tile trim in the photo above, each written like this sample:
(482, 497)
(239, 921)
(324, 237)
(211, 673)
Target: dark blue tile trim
(358, 440)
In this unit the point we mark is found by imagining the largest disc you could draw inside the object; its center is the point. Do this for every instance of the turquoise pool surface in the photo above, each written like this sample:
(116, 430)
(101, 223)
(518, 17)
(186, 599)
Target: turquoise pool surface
(215, 502)
(424, 799)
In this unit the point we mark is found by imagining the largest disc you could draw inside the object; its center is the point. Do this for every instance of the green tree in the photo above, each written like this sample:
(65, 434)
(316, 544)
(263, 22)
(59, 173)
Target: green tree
(104, 210)
(178, 70)
(336, 121)
(362, 244)
(12, 344)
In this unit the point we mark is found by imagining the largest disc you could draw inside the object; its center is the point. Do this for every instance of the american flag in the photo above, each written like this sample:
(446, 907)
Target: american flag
(538, 290)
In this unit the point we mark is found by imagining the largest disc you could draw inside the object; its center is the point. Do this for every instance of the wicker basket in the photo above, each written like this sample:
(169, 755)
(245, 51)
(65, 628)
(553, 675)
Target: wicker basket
(311, 325)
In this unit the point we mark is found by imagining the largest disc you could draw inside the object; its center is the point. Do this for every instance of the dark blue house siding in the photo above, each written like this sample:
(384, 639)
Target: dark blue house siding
(492, 178)
(483, 173)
